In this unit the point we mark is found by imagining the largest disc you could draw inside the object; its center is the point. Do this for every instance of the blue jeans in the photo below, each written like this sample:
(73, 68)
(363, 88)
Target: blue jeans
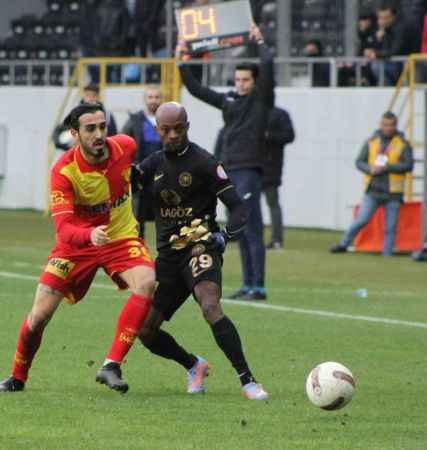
(367, 209)
(248, 184)
(392, 71)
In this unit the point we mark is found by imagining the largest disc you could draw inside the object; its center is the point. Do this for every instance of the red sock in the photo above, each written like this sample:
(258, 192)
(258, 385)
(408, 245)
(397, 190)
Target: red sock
(26, 348)
(130, 322)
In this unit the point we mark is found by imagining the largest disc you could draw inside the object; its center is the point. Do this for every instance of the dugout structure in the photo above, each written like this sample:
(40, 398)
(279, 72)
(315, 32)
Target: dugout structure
(164, 71)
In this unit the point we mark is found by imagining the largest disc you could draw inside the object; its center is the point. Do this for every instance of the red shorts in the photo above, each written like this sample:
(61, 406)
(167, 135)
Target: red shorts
(72, 271)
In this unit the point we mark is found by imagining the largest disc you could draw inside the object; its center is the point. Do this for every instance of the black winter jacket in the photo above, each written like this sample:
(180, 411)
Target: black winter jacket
(133, 128)
(280, 132)
(245, 117)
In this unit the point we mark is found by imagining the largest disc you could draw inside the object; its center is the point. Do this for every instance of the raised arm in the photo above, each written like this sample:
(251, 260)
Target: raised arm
(265, 81)
(203, 93)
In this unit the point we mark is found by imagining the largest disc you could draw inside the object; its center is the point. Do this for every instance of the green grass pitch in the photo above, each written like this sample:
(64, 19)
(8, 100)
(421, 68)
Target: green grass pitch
(63, 408)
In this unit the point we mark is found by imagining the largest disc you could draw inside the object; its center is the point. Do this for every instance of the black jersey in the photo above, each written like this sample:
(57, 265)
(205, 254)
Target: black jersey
(185, 187)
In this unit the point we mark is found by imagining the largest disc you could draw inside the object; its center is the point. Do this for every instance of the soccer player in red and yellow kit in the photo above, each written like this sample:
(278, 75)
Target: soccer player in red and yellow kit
(95, 227)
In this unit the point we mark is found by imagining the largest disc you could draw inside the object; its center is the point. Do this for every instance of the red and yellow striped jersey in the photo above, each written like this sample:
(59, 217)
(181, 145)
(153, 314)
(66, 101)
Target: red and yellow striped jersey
(84, 196)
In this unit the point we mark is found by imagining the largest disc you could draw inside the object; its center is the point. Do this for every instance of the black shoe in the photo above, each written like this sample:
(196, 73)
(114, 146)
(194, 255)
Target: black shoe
(238, 294)
(11, 384)
(274, 245)
(255, 295)
(338, 248)
(111, 376)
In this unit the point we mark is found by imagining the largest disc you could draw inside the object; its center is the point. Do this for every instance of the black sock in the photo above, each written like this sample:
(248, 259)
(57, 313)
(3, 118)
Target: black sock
(164, 345)
(228, 340)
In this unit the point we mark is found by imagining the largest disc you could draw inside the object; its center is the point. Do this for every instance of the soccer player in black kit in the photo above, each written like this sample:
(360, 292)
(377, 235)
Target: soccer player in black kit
(187, 181)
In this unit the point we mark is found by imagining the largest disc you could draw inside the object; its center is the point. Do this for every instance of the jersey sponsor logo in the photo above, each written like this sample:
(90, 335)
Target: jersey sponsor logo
(102, 208)
(173, 213)
(170, 197)
(221, 173)
(57, 198)
(60, 267)
(158, 176)
(185, 179)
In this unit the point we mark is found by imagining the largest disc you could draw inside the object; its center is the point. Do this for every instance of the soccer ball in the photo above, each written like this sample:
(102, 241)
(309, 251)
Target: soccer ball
(330, 386)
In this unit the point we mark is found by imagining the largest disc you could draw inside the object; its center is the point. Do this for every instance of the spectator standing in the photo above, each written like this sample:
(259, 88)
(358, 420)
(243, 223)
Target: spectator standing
(142, 127)
(384, 159)
(245, 113)
(280, 132)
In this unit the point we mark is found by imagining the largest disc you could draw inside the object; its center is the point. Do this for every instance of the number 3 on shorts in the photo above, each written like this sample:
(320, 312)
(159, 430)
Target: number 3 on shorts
(134, 252)
(200, 264)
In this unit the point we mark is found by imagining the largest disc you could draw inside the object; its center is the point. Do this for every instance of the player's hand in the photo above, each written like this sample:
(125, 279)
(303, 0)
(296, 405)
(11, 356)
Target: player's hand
(255, 33)
(181, 51)
(217, 239)
(99, 236)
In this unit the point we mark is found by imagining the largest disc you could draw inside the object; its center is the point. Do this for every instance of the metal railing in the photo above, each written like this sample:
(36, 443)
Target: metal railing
(296, 71)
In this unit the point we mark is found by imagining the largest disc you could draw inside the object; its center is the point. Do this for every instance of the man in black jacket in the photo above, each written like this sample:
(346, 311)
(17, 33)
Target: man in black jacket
(142, 127)
(394, 37)
(279, 133)
(245, 114)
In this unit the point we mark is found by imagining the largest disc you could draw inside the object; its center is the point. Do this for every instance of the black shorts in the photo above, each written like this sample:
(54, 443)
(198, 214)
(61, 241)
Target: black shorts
(179, 271)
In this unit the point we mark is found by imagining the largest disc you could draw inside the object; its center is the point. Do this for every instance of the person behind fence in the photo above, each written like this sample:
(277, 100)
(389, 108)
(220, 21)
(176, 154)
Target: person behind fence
(280, 132)
(320, 70)
(395, 36)
(245, 114)
(142, 127)
(385, 159)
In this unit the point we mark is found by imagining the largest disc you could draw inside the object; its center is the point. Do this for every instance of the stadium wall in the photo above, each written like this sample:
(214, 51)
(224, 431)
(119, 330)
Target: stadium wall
(321, 183)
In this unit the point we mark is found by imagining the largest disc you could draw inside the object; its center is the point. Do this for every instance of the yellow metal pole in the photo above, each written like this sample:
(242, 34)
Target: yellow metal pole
(410, 124)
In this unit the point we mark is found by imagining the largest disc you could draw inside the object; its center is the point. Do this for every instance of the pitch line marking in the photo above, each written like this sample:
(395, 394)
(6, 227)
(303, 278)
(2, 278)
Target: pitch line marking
(310, 312)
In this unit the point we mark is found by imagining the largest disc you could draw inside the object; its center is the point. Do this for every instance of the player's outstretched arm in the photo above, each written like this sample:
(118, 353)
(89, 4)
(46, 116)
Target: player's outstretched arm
(203, 93)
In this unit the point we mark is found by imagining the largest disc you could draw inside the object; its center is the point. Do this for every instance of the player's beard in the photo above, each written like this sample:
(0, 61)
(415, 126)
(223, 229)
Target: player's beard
(96, 153)
(176, 147)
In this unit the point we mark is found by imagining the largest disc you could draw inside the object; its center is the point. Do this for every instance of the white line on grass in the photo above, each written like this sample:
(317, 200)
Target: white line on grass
(311, 312)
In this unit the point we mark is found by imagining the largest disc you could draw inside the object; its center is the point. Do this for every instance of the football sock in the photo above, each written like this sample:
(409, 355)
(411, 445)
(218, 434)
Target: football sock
(164, 345)
(130, 322)
(26, 348)
(228, 340)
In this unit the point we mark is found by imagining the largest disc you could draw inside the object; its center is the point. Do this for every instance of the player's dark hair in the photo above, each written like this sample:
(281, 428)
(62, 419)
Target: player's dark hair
(92, 88)
(72, 120)
(251, 67)
(390, 116)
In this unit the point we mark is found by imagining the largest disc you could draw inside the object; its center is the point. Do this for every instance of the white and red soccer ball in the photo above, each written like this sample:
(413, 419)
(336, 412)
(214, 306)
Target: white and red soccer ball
(330, 386)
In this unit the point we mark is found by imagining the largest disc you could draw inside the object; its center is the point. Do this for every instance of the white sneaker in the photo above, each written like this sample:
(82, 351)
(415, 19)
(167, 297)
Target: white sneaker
(196, 376)
(254, 391)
